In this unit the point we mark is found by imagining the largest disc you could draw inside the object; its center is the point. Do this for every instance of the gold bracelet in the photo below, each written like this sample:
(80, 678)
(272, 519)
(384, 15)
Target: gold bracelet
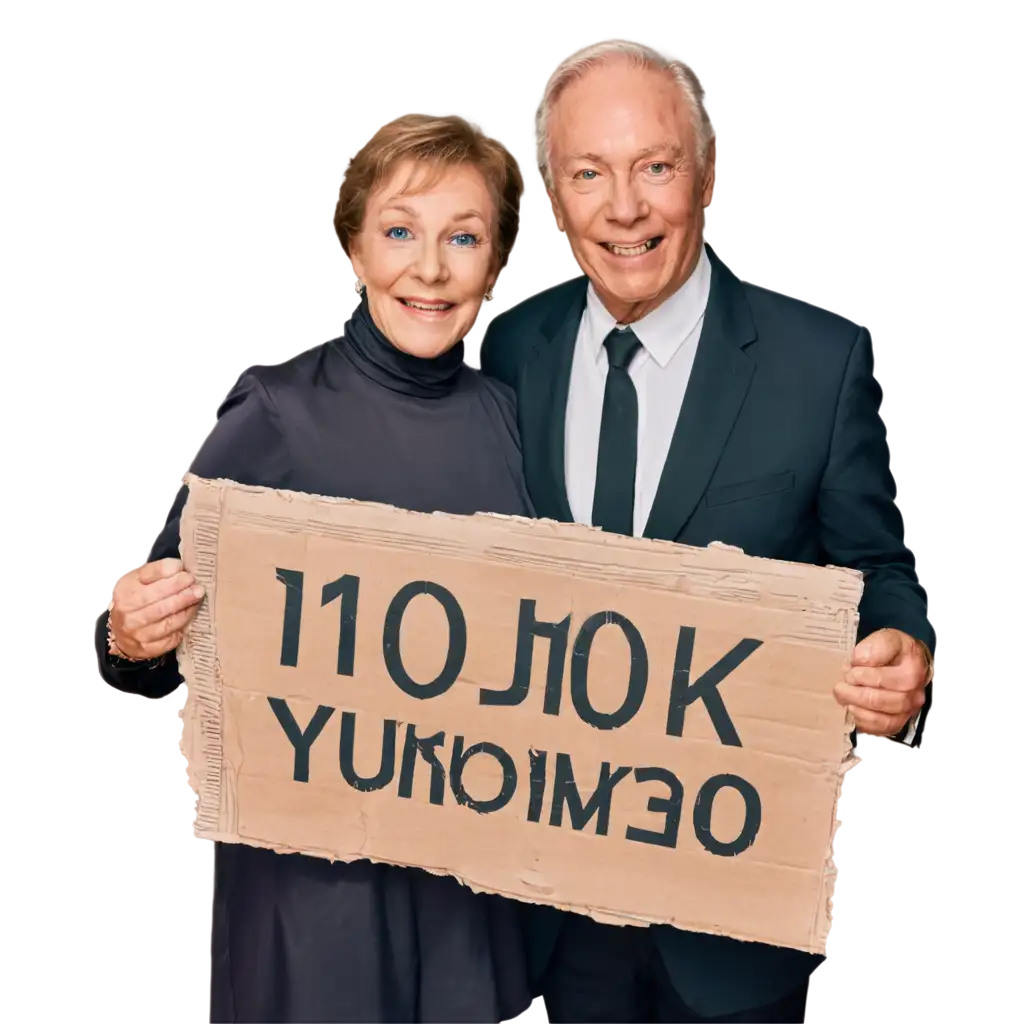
(112, 647)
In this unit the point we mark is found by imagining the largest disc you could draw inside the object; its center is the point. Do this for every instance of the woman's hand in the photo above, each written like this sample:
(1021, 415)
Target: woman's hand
(151, 608)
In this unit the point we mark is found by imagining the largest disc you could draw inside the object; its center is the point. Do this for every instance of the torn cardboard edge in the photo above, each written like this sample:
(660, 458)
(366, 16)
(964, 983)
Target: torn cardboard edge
(202, 732)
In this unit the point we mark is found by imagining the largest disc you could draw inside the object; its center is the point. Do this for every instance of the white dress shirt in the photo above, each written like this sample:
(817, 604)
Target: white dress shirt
(660, 373)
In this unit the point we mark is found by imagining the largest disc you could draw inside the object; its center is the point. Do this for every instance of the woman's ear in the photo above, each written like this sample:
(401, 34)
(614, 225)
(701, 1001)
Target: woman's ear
(355, 259)
(491, 279)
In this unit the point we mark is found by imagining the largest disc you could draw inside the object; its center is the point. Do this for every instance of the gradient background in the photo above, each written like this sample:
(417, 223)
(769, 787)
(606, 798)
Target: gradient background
(168, 185)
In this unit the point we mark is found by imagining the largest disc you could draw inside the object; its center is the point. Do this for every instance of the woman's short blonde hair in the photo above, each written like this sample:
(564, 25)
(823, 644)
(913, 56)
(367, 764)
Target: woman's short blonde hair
(439, 142)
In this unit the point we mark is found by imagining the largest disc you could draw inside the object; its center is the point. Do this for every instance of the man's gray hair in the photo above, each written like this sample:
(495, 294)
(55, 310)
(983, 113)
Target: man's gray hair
(636, 55)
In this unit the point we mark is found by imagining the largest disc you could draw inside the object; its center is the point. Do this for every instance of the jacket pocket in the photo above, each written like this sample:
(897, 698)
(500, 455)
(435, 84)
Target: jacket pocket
(749, 489)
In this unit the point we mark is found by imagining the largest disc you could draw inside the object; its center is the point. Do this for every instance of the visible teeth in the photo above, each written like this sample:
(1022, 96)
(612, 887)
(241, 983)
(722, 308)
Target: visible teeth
(633, 250)
(435, 307)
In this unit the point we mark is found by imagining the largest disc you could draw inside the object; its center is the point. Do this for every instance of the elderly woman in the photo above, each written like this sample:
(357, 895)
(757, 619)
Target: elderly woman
(388, 412)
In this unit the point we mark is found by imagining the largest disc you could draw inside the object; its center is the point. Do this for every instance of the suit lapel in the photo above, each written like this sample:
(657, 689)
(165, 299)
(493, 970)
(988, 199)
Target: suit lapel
(718, 385)
(543, 396)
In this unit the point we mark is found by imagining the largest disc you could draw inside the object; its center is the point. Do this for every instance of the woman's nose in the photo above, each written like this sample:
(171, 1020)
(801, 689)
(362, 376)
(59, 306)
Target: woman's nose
(431, 265)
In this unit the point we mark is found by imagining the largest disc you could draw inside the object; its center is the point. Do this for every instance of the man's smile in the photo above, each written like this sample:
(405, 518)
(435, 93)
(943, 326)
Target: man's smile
(633, 248)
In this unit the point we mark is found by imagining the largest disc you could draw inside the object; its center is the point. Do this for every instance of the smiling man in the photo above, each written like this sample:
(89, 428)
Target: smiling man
(661, 396)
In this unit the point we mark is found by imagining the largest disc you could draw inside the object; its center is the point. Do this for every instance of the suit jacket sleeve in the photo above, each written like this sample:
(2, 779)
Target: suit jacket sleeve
(246, 445)
(497, 354)
(861, 526)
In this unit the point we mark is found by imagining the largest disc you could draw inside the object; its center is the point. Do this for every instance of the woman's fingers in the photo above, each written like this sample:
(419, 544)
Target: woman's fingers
(131, 593)
(166, 627)
(164, 568)
(137, 620)
(156, 648)
(152, 606)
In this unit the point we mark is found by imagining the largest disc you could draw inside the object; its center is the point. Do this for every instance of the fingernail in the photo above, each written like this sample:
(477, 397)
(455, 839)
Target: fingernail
(198, 591)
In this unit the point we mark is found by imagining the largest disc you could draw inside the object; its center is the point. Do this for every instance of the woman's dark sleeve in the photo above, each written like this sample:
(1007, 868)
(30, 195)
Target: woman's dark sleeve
(246, 445)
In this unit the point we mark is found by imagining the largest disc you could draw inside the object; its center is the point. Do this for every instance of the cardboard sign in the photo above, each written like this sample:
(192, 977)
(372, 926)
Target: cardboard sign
(632, 729)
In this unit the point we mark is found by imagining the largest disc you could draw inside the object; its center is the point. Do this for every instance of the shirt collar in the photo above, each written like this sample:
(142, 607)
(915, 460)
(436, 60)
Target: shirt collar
(663, 331)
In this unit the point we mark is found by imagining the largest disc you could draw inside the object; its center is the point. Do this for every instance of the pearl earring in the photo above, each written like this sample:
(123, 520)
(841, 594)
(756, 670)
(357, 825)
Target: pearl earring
(488, 295)
(359, 287)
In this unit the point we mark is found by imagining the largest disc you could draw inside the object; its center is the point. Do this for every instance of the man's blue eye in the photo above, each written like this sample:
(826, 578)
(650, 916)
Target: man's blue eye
(588, 175)
(464, 239)
(658, 168)
(399, 234)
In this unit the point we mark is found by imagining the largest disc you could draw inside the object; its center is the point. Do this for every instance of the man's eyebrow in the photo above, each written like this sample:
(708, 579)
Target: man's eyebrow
(660, 147)
(592, 158)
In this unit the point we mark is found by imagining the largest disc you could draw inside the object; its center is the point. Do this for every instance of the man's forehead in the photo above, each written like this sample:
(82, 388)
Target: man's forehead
(611, 135)
(616, 80)
(607, 106)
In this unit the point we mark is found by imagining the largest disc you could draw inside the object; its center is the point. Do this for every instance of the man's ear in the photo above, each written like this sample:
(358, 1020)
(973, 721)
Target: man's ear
(708, 185)
(556, 208)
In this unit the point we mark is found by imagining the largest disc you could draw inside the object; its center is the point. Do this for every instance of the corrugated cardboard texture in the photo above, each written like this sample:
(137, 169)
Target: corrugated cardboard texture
(302, 629)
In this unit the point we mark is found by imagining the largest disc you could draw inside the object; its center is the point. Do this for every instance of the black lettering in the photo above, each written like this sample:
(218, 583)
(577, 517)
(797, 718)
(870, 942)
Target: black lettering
(508, 771)
(347, 760)
(702, 815)
(425, 746)
(299, 739)
(565, 793)
(684, 693)
(347, 588)
(292, 580)
(637, 685)
(529, 629)
(538, 782)
(671, 806)
(456, 640)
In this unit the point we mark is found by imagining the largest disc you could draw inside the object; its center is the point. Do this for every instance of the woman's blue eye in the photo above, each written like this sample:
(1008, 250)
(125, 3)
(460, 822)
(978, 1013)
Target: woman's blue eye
(463, 239)
(399, 234)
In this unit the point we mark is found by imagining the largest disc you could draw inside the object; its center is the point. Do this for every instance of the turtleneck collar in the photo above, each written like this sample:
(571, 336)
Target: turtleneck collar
(378, 359)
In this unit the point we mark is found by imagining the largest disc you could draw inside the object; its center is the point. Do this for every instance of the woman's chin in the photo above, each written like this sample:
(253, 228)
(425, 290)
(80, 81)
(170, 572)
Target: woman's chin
(424, 344)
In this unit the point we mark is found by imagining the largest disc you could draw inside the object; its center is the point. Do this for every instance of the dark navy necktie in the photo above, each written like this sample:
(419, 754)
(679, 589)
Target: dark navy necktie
(616, 452)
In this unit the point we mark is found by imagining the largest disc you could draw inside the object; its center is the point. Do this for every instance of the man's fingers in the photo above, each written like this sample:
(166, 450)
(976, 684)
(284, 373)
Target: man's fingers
(870, 698)
(895, 677)
(880, 648)
(886, 702)
(162, 569)
(876, 724)
(138, 619)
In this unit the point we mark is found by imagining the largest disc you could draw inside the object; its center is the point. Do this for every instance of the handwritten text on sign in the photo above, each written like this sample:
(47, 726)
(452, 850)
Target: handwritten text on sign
(636, 730)
(565, 793)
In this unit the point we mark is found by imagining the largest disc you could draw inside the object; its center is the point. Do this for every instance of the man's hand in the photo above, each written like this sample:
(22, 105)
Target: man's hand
(151, 608)
(885, 681)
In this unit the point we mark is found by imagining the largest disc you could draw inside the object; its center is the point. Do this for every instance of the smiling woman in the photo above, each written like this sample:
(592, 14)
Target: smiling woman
(389, 413)
(428, 220)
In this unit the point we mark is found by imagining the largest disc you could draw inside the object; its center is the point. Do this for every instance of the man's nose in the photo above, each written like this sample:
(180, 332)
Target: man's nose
(625, 204)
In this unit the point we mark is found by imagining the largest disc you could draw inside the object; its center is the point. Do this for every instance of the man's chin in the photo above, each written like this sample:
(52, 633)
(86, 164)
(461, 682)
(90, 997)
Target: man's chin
(628, 288)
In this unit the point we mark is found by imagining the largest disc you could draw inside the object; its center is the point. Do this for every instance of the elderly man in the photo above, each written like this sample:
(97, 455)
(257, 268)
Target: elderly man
(661, 396)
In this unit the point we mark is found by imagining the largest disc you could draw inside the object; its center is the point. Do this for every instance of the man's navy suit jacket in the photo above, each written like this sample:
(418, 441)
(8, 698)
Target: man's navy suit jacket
(780, 450)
